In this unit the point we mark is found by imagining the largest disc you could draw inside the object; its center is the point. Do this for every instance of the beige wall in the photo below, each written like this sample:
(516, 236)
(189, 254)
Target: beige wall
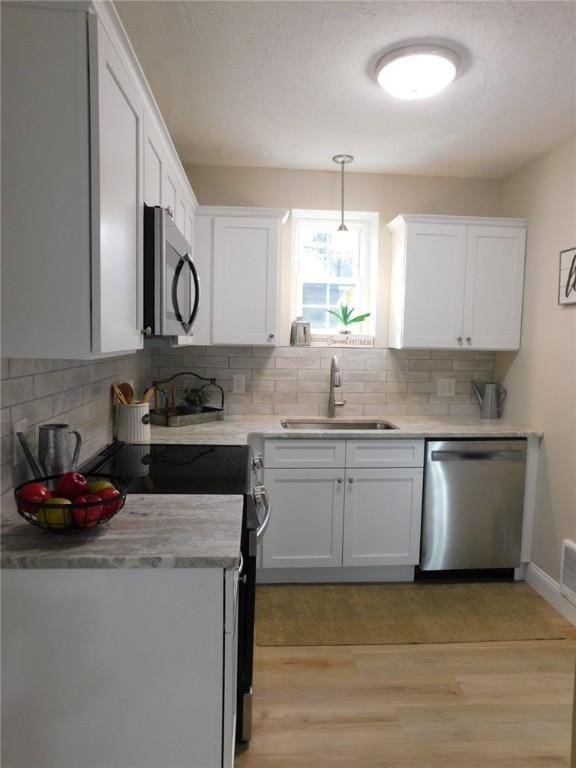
(387, 194)
(541, 377)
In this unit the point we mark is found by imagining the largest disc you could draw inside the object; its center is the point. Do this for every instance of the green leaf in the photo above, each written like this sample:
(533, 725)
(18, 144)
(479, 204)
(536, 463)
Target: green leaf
(359, 318)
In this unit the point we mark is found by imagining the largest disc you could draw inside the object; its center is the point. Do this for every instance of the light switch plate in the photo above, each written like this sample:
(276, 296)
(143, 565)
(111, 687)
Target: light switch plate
(445, 387)
(239, 383)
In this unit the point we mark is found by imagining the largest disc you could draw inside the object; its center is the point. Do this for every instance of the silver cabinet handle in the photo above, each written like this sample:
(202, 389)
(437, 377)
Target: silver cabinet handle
(469, 339)
(459, 339)
(270, 336)
(339, 480)
(350, 479)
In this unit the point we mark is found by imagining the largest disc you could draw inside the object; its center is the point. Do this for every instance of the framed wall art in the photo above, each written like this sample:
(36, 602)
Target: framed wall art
(567, 283)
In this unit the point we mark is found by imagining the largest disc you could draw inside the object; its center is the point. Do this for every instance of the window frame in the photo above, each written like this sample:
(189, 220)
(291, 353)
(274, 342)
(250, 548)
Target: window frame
(367, 222)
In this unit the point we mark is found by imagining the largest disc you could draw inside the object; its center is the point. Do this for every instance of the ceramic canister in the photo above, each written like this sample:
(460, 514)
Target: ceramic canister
(133, 423)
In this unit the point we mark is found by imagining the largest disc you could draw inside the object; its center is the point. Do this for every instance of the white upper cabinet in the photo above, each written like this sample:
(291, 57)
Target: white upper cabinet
(73, 188)
(154, 164)
(457, 283)
(494, 287)
(117, 257)
(244, 251)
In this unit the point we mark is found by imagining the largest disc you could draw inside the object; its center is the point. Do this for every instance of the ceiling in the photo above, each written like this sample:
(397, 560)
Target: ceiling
(289, 84)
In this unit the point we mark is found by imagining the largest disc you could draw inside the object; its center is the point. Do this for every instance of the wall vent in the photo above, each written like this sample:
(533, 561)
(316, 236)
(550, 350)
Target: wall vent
(568, 570)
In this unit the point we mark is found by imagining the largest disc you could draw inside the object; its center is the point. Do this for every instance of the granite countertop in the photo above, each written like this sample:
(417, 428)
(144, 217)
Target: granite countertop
(152, 531)
(237, 429)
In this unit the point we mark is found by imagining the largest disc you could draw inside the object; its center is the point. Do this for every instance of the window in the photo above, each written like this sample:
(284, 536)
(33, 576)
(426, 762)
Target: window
(334, 268)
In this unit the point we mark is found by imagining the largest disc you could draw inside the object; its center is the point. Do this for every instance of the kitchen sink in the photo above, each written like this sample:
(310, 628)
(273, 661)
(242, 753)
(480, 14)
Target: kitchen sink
(322, 424)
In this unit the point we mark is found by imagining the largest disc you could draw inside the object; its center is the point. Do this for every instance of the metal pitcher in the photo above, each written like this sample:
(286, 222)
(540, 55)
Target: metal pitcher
(300, 333)
(54, 452)
(491, 397)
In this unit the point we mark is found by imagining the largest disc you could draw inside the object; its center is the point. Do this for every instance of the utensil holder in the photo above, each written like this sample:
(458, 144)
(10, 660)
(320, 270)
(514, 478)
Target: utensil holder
(133, 423)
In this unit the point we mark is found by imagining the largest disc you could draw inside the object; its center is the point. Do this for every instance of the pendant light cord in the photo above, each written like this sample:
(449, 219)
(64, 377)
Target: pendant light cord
(342, 195)
(342, 160)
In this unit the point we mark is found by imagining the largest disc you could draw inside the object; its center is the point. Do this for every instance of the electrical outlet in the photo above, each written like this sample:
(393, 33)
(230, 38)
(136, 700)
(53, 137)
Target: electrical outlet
(17, 453)
(239, 383)
(445, 387)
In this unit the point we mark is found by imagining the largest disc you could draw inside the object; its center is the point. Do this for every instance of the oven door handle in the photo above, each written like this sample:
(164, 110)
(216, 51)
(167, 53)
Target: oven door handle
(261, 494)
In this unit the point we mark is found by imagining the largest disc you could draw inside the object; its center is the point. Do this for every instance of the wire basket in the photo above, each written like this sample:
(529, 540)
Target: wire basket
(71, 516)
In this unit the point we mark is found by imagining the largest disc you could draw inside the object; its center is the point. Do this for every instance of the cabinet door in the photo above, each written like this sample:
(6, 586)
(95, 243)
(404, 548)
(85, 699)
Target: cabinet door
(434, 285)
(169, 194)
(181, 213)
(305, 526)
(382, 516)
(245, 283)
(153, 165)
(494, 287)
(117, 266)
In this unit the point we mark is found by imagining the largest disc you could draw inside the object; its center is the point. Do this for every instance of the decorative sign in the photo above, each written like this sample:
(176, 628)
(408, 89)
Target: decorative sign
(342, 340)
(567, 289)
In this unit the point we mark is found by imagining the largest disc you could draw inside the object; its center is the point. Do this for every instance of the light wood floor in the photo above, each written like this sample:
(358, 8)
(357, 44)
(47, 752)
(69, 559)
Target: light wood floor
(481, 705)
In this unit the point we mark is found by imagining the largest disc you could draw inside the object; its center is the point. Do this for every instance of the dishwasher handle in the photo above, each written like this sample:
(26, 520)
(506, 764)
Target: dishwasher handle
(478, 455)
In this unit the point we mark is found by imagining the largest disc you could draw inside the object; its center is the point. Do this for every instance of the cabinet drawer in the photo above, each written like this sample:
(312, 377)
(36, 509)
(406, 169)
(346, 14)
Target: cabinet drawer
(384, 453)
(307, 454)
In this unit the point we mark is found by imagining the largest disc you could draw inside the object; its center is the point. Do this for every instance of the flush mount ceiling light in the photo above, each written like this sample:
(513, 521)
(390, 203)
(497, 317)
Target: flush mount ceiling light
(342, 160)
(417, 71)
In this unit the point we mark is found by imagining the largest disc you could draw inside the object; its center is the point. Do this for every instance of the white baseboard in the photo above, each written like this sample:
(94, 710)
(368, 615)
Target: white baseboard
(549, 589)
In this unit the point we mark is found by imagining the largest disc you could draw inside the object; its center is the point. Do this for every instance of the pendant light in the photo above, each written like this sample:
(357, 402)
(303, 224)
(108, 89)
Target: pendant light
(342, 160)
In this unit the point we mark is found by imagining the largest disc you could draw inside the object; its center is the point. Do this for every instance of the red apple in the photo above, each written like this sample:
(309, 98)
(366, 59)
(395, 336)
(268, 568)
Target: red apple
(71, 484)
(87, 517)
(112, 500)
(34, 492)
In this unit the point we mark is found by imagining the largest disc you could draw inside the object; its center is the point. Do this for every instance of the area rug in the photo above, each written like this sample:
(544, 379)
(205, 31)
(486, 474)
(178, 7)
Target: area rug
(390, 614)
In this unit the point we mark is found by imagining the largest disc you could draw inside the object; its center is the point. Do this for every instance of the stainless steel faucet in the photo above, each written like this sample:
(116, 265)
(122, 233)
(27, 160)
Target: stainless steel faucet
(335, 381)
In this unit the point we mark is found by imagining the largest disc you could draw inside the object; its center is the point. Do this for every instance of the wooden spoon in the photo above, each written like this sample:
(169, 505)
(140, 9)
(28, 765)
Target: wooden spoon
(148, 395)
(128, 392)
(119, 394)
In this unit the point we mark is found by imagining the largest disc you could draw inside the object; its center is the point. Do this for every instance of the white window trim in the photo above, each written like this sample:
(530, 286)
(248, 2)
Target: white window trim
(369, 222)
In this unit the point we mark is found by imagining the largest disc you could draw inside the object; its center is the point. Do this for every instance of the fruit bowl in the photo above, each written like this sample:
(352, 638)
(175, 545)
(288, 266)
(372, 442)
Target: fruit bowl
(89, 501)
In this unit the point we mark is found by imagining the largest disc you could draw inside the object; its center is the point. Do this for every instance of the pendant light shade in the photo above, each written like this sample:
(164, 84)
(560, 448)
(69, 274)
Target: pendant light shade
(342, 160)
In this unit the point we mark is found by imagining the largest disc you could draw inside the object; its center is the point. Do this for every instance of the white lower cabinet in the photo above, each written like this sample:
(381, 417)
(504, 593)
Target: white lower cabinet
(345, 515)
(91, 679)
(306, 525)
(382, 517)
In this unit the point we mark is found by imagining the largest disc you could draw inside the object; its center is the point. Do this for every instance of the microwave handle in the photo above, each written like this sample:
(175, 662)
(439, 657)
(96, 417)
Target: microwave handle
(185, 261)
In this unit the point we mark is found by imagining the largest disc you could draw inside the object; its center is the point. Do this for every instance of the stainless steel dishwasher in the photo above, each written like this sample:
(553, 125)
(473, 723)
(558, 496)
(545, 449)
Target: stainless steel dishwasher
(473, 501)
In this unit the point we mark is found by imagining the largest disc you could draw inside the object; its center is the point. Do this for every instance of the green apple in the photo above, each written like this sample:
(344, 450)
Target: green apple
(57, 516)
(98, 485)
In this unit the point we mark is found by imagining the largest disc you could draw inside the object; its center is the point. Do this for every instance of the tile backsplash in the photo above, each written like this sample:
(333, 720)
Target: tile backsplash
(286, 381)
(294, 381)
(68, 391)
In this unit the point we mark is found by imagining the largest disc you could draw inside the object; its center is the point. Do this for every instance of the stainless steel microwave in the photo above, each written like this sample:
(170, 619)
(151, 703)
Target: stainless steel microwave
(171, 284)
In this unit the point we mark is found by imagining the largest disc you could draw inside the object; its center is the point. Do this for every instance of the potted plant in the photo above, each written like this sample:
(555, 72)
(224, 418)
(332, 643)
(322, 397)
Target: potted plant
(195, 399)
(345, 315)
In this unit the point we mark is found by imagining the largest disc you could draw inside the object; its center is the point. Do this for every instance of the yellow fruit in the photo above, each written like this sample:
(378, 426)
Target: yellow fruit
(57, 516)
(98, 485)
